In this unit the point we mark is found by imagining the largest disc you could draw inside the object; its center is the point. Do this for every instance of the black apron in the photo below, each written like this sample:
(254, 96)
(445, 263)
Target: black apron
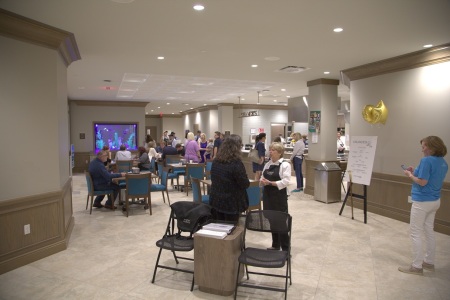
(273, 198)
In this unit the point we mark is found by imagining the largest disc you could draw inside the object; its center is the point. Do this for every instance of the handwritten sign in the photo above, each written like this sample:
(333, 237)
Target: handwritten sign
(360, 159)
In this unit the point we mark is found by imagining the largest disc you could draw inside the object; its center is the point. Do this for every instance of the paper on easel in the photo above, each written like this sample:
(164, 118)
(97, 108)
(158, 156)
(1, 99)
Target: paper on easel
(360, 159)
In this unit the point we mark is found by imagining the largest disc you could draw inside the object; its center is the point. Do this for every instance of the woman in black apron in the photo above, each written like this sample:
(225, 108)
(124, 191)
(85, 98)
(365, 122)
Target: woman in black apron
(275, 178)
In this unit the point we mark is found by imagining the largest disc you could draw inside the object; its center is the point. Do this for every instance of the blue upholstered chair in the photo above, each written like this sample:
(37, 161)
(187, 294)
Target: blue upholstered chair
(208, 166)
(254, 196)
(124, 166)
(92, 192)
(175, 159)
(193, 171)
(162, 186)
(138, 186)
(153, 165)
(197, 193)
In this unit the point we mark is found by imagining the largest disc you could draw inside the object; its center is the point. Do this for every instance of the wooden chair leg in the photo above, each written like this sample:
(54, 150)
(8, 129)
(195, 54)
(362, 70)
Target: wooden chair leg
(149, 203)
(92, 202)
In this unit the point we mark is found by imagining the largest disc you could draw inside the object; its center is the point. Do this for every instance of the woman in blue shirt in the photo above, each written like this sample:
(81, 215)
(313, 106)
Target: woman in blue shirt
(261, 147)
(427, 181)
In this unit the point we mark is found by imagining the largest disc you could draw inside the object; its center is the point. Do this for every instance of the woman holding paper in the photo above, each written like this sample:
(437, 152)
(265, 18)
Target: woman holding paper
(427, 181)
(275, 178)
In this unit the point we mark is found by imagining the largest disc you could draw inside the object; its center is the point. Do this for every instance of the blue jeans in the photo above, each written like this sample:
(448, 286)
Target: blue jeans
(298, 171)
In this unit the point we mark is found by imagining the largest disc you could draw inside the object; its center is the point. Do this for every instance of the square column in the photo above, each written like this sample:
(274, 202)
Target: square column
(322, 97)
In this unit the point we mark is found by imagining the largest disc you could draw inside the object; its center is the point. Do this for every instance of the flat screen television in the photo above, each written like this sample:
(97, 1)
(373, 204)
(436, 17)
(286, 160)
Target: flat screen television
(114, 135)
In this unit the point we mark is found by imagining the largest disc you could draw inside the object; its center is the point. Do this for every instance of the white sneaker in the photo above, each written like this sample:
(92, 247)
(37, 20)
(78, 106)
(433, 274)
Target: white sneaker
(411, 270)
(427, 266)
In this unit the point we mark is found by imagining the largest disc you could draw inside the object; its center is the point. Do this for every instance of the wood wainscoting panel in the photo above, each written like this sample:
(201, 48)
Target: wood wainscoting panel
(50, 221)
(388, 194)
(82, 160)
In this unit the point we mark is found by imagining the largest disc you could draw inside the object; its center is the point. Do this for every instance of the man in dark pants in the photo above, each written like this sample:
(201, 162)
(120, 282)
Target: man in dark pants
(101, 179)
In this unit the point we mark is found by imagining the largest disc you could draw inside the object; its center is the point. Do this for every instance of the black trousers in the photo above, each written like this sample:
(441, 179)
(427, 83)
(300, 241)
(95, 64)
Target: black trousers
(111, 186)
(274, 199)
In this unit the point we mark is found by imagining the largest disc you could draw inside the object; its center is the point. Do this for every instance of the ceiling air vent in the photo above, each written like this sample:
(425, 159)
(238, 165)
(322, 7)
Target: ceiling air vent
(292, 69)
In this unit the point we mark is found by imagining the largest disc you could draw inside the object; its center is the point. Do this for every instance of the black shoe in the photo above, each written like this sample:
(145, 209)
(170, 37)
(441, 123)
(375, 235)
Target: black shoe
(109, 206)
(98, 205)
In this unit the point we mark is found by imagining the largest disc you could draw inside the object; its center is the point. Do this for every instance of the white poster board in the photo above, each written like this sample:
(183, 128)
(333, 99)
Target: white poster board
(360, 159)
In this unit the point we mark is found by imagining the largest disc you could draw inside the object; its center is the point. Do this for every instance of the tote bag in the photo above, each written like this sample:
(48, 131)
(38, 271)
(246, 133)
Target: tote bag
(253, 155)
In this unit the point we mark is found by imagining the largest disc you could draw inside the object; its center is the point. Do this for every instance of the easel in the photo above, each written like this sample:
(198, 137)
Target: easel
(350, 192)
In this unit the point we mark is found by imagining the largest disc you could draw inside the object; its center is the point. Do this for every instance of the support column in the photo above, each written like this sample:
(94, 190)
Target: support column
(322, 97)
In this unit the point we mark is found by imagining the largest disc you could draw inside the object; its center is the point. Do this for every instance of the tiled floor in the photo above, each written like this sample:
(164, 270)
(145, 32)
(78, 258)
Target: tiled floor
(333, 257)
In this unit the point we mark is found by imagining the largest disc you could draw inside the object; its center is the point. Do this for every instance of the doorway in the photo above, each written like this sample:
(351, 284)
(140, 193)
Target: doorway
(276, 129)
(153, 132)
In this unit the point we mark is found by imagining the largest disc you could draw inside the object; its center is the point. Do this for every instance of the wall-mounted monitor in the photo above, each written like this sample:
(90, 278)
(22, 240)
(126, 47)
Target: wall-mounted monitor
(114, 135)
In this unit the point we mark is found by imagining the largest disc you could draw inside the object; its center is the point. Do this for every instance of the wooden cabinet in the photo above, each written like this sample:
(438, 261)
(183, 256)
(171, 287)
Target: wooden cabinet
(216, 262)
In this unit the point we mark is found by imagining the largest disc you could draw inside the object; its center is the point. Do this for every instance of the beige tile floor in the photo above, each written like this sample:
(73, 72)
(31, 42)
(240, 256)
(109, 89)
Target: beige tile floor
(333, 257)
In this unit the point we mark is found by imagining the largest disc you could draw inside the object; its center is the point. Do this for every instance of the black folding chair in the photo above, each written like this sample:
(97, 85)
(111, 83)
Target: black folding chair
(266, 221)
(186, 217)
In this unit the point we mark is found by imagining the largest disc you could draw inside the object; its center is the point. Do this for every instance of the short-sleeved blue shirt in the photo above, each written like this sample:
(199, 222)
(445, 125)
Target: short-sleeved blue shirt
(433, 169)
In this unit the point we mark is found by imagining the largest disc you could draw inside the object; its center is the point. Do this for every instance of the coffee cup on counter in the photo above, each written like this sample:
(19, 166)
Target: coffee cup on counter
(135, 170)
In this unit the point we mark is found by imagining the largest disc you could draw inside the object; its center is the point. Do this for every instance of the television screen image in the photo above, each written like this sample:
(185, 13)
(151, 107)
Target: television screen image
(114, 135)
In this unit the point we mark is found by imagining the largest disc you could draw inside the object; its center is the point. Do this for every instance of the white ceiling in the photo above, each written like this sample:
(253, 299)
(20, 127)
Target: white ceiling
(208, 54)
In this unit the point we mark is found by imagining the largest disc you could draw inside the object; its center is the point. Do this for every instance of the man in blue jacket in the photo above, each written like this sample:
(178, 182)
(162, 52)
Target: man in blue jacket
(102, 180)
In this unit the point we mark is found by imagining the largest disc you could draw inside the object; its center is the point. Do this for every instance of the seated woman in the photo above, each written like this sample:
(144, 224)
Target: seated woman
(143, 160)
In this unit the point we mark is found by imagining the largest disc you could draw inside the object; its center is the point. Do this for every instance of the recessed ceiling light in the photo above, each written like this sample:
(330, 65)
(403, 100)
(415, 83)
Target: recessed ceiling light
(123, 1)
(152, 110)
(254, 66)
(205, 104)
(160, 57)
(288, 96)
(427, 46)
(272, 58)
(199, 7)
(338, 29)
(326, 72)
(173, 113)
(274, 100)
(159, 106)
(181, 111)
(283, 90)
(191, 108)
(168, 103)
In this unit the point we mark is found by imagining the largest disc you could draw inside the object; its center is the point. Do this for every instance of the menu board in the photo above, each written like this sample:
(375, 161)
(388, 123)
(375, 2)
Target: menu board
(360, 159)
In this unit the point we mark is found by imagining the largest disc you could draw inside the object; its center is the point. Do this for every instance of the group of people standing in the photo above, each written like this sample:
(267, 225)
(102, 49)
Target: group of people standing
(229, 179)
(296, 157)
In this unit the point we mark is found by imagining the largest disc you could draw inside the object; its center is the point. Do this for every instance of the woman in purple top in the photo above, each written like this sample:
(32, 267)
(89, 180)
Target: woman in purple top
(192, 150)
(202, 143)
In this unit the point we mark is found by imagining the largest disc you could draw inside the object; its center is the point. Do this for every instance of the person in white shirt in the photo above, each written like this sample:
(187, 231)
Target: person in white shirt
(173, 139)
(340, 144)
(123, 153)
(275, 179)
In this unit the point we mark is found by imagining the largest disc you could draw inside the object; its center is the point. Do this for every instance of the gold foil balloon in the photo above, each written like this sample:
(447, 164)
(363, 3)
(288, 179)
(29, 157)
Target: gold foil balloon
(375, 114)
